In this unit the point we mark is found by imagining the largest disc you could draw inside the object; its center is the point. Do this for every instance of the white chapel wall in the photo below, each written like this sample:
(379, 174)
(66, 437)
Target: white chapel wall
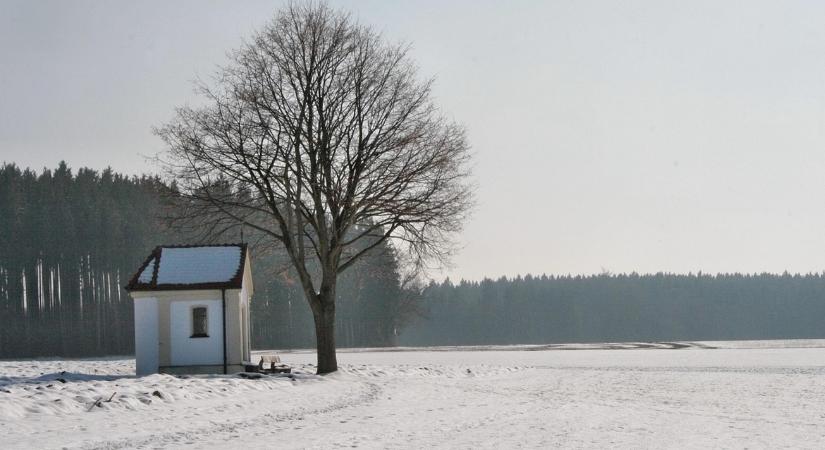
(186, 350)
(146, 336)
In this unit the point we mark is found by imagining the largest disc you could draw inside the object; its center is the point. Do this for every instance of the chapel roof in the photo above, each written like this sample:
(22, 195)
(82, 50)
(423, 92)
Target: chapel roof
(189, 267)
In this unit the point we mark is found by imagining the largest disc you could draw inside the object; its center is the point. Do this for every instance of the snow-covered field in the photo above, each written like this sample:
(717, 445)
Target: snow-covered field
(761, 394)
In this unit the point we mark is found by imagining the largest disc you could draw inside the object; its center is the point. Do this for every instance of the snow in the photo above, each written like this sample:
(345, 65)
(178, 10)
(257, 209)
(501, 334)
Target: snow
(636, 395)
(148, 272)
(191, 265)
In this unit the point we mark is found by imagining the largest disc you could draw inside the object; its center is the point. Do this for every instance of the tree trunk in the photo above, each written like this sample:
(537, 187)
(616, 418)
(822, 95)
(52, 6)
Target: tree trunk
(325, 337)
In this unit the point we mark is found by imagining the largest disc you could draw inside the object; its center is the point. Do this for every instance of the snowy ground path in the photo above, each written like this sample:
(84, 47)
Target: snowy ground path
(754, 395)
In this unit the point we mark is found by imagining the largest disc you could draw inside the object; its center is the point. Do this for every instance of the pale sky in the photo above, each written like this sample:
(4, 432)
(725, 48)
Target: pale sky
(624, 136)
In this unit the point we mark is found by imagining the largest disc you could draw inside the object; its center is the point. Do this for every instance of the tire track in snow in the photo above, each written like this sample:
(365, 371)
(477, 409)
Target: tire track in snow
(210, 432)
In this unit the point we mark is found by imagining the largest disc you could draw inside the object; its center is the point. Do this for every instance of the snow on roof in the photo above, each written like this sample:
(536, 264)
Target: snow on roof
(148, 272)
(198, 265)
(192, 267)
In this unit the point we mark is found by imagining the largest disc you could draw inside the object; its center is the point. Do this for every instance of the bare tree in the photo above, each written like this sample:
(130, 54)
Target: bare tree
(319, 136)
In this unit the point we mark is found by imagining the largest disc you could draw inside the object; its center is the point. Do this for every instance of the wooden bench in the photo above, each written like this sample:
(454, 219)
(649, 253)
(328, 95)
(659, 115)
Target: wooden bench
(273, 364)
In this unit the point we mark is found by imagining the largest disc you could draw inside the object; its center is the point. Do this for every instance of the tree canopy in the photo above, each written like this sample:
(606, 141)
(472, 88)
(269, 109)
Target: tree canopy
(320, 136)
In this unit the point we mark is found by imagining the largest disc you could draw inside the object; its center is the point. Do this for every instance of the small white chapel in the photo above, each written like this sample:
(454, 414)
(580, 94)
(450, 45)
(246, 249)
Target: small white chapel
(192, 309)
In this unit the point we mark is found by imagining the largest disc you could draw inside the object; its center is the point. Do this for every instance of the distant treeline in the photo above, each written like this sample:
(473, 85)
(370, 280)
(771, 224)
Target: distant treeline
(660, 307)
(70, 241)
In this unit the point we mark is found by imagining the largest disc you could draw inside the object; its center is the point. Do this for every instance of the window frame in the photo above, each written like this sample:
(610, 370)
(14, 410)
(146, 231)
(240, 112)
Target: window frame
(193, 334)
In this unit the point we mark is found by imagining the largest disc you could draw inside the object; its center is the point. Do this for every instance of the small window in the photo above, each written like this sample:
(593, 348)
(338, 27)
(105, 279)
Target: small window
(199, 322)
